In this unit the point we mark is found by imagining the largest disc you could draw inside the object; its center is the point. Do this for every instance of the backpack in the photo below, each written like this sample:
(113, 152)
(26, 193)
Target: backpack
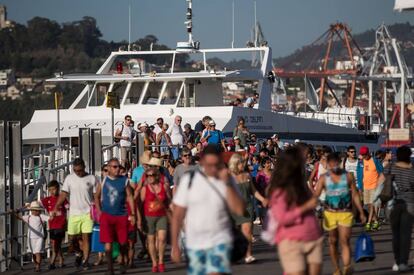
(364, 249)
(117, 139)
(240, 243)
(269, 229)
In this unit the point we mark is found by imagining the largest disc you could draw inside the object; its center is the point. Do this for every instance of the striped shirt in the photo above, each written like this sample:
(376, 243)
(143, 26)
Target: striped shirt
(404, 182)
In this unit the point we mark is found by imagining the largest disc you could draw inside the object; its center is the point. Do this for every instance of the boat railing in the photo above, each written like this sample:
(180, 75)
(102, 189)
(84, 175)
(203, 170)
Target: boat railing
(342, 119)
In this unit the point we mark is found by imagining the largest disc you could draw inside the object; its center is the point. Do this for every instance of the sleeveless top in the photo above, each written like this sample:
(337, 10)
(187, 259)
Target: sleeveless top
(114, 196)
(155, 204)
(164, 149)
(351, 167)
(338, 194)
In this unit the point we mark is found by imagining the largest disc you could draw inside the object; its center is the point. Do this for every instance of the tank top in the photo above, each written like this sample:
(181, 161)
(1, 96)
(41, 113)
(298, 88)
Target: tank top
(351, 167)
(155, 204)
(338, 195)
(114, 196)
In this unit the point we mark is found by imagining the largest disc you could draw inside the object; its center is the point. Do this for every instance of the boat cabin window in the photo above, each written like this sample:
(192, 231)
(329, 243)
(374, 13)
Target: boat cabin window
(98, 94)
(171, 93)
(119, 89)
(187, 96)
(153, 93)
(135, 93)
(83, 102)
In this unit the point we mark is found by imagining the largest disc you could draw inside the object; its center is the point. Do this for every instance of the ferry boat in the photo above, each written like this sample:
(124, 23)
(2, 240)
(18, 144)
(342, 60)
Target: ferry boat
(166, 92)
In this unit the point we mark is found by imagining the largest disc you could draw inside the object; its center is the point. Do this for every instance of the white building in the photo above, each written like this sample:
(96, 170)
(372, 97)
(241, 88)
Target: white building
(7, 77)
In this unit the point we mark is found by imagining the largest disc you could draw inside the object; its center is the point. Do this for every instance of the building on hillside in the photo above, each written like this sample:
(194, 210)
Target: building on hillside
(13, 92)
(4, 23)
(7, 78)
(3, 16)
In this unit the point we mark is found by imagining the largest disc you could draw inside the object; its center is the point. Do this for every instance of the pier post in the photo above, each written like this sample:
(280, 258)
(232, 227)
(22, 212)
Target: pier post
(96, 154)
(17, 243)
(3, 209)
(85, 147)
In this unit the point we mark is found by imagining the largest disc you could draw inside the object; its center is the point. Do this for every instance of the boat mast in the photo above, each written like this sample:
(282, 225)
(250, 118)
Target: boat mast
(129, 27)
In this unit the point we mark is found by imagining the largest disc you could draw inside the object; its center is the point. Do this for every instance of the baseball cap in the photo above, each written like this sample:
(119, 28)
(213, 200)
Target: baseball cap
(275, 136)
(364, 150)
(212, 122)
(236, 137)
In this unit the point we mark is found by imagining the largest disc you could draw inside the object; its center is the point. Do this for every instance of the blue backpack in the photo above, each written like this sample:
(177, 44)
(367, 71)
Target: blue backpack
(364, 249)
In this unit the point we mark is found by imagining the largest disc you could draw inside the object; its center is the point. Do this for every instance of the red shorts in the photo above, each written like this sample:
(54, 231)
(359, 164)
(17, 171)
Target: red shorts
(113, 228)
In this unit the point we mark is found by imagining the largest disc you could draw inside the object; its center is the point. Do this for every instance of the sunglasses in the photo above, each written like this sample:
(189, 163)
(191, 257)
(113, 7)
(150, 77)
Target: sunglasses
(128, 119)
(186, 156)
(115, 166)
(105, 170)
(352, 152)
(150, 175)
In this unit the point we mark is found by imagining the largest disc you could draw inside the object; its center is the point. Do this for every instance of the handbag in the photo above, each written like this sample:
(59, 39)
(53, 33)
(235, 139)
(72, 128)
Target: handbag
(240, 243)
(387, 192)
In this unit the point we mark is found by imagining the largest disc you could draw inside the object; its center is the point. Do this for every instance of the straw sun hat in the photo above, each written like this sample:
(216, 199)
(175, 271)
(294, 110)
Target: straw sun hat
(35, 205)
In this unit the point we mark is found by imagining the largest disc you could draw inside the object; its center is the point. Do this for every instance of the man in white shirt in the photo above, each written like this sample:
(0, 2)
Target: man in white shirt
(177, 136)
(158, 126)
(78, 188)
(251, 101)
(125, 135)
(203, 201)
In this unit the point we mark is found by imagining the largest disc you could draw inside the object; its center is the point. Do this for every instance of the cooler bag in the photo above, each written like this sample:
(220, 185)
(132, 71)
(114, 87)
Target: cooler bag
(364, 249)
(97, 246)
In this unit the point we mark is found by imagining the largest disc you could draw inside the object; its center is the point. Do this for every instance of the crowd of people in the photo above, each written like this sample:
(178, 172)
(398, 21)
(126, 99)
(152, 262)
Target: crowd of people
(193, 188)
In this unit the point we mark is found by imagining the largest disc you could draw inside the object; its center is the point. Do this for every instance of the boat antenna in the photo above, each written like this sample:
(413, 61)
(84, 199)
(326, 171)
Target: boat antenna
(129, 27)
(189, 45)
(255, 24)
(189, 22)
(232, 41)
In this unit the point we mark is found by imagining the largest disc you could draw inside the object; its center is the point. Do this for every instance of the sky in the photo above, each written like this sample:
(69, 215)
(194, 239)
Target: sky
(287, 24)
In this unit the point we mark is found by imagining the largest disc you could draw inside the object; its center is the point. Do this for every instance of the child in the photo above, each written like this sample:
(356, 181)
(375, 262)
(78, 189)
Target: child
(57, 224)
(338, 217)
(36, 234)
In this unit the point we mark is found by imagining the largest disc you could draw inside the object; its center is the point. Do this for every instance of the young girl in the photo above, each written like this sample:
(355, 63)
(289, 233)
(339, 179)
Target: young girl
(36, 233)
(298, 235)
(340, 193)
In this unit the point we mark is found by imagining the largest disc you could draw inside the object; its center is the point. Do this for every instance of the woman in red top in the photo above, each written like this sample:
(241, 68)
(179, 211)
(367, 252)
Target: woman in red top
(155, 198)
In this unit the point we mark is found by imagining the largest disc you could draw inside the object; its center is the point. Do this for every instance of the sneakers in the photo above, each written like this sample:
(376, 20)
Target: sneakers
(161, 268)
(403, 268)
(257, 221)
(86, 266)
(395, 268)
(78, 260)
(368, 226)
(122, 269)
(375, 226)
(249, 260)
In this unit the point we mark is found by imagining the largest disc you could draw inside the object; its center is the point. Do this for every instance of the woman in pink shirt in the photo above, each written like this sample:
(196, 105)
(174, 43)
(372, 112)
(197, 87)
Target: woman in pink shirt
(298, 235)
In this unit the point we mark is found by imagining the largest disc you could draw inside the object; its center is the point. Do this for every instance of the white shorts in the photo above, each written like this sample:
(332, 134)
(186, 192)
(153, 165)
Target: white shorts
(36, 245)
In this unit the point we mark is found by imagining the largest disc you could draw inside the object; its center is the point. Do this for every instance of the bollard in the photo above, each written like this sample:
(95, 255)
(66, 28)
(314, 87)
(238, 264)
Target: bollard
(96, 154)
(3, 208)
(85, 147)
(16, 190)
